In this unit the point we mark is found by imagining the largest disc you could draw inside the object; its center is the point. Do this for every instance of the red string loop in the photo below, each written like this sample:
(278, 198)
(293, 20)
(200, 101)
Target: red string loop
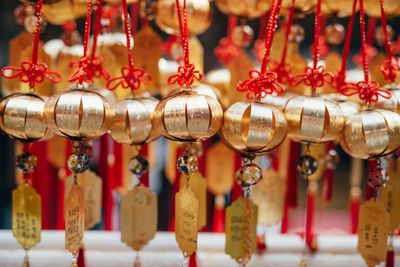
(88, 69)
(32, 71)
(260, 84)
(263, 82)
(368, 91)
(131, 76)
(187, 74)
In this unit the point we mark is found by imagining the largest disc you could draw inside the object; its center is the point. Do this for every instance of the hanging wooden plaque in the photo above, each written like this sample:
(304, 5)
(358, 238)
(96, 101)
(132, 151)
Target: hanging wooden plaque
(74, 219)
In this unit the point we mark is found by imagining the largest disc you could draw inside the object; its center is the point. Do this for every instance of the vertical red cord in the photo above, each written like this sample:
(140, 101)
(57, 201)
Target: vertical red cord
(275, 10)
(316, 36)
(35, 49)
(232, 22)
(347, 43)
(363, 41)
(86, 33)
(97, 26)
(128, 33)
(288, 29)
(183, 28)
(385, 32)
(134, 16)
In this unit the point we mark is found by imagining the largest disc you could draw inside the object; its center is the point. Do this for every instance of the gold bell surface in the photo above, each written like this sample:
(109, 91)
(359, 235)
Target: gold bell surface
(22, 116)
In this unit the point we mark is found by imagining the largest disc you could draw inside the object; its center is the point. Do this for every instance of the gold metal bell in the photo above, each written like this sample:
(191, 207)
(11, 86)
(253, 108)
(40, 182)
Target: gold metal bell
(392, 103)
(342, 8)
(313, 119)
(247, 9)
(78, 114)
(347, 106)
(302, 7)
(199, 16)
(133, 120)
(371, 133)
(21, 116)
(373, 8)
(253, 127)
(188, 116)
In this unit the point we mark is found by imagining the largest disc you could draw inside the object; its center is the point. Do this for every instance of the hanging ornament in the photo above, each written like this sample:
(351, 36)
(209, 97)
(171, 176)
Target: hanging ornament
(239, 8)
(302, 7)
(189, 117)
(252, 127)
(22, 119)
(199, 12)
(340, 8)
(373, 9)
(60, 12)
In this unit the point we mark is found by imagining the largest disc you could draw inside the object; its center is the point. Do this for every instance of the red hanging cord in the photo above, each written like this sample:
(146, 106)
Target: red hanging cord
(132, 77)
(391, 65)
(340, 77)
(226, 51)
(187, 73)
(134, 16)
(32, 72)
(281, 68)
(261, 83)
(314, 76)
(368, 91)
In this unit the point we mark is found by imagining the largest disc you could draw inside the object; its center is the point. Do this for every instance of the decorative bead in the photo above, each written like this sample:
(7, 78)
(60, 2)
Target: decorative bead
(307, 165)
(332, 159)
(138, 165)
(242, 36)
(296, 34)
(30, 23)
(78, 162)
(195, 149)
(187, 164)
(26, 162)
(249, 174)
(377, 178)
(334, 34)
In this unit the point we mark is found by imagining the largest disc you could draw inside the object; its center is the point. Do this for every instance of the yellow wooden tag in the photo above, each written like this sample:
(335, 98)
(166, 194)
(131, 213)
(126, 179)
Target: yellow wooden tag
(198, 184)
(26, 215)
(373, 228)
(374, 66)
(240, 226)
(298, 64)
(268, 194)
(220, 171)
(92, 187)
(186, 220)
(74, 219)
(146, 54)
(390, 197)
(62, 65)
(138, 217)
(239, 68)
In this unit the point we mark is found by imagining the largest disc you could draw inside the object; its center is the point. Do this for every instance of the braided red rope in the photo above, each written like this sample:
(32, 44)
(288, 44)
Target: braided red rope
(281, 68)
(340, 77)
(131, 76)
(390, 67)
(187, 73)
(368, 91)
(263, 82)
(314, 76)
(32, 71)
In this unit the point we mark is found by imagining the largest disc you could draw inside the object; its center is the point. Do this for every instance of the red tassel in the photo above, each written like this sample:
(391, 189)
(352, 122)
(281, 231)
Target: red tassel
(60, 188)
(193, 260)
(390, 258)
(354, 210)
(236, 189)
(328, 183)
(106, 174)
(219, 219)
(118, 168)
(309, 235)
(81, 257)
(261, 246)
(369, 193)
(145, 177)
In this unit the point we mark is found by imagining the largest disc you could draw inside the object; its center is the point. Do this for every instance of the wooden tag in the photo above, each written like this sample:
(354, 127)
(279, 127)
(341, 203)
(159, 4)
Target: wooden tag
(268, 194)
(390, 197)
(373, 227)
(138, 217)
(74, 219)
(241, 229)
(146, 54)
(198, 185)
(196, 53)
(92, 187)
(374, 66)
(239, 69)
(108, 63)
(298, 64)
(26, 215)
(220, 171)
(62, 65)
(186, 220)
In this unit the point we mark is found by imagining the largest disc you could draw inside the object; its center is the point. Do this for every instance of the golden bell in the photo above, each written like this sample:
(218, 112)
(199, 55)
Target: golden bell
(371, 133)
(188, 116)
(199, 16)
(278, 101)
(313, 119)
(78, 114)
(348, 107)
(373, 8)
(247, 9)
(302, 7)
(63, 11)
(392, 103)
(342, 8)
(133, 120)
(253, 127)
(206, 89)
(21, 116)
